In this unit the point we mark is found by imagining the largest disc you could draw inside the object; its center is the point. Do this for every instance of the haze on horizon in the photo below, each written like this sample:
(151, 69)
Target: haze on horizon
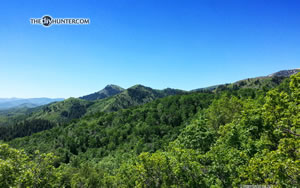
(177, 44)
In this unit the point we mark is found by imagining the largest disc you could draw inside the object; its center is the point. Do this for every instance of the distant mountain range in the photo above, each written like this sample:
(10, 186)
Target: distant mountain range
(7, 103)
(114, 98)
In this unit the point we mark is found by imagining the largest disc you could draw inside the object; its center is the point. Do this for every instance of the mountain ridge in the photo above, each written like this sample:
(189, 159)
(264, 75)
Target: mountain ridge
(107, 91)
(270, 80)
(7, 103)
(285, 73)
(74, 108)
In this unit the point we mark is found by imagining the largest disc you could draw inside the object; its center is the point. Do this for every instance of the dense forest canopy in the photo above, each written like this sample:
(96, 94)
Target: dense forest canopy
(232, 136)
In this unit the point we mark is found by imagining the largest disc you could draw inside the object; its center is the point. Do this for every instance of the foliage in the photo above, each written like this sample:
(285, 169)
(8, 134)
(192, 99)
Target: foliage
(17, 169)
(24, 128)
(237, 136)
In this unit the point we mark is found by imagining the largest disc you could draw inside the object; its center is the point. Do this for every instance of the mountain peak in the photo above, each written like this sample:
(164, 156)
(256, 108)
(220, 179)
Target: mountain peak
(111, 86)
(108, 91)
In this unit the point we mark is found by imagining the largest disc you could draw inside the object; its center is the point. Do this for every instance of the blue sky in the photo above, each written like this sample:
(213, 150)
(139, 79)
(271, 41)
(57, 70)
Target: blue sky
(158, 43)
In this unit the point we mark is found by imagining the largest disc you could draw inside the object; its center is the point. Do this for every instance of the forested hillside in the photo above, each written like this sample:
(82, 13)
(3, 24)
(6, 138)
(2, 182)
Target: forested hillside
(72, 109)
(142, 137)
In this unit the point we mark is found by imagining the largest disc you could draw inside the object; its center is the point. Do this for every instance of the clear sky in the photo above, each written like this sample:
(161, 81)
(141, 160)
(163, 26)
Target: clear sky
(158, 43)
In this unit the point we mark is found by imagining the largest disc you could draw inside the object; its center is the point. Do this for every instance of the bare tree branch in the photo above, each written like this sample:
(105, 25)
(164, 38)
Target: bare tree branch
(291, 132)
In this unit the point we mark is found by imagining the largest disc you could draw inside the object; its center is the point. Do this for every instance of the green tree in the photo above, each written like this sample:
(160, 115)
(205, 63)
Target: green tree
(17, 169)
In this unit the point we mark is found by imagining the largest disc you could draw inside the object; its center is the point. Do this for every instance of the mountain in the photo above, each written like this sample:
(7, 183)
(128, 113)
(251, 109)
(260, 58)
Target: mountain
(62, 112)
(265, 82)
(285, 73)
(133, 96)
(74, 108)
(261, 82)
(6, 103)
(108, 91)
(114, 98)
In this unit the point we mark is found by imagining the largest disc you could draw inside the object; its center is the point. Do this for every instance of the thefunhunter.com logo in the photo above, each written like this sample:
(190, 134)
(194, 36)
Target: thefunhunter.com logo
(47, 21)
